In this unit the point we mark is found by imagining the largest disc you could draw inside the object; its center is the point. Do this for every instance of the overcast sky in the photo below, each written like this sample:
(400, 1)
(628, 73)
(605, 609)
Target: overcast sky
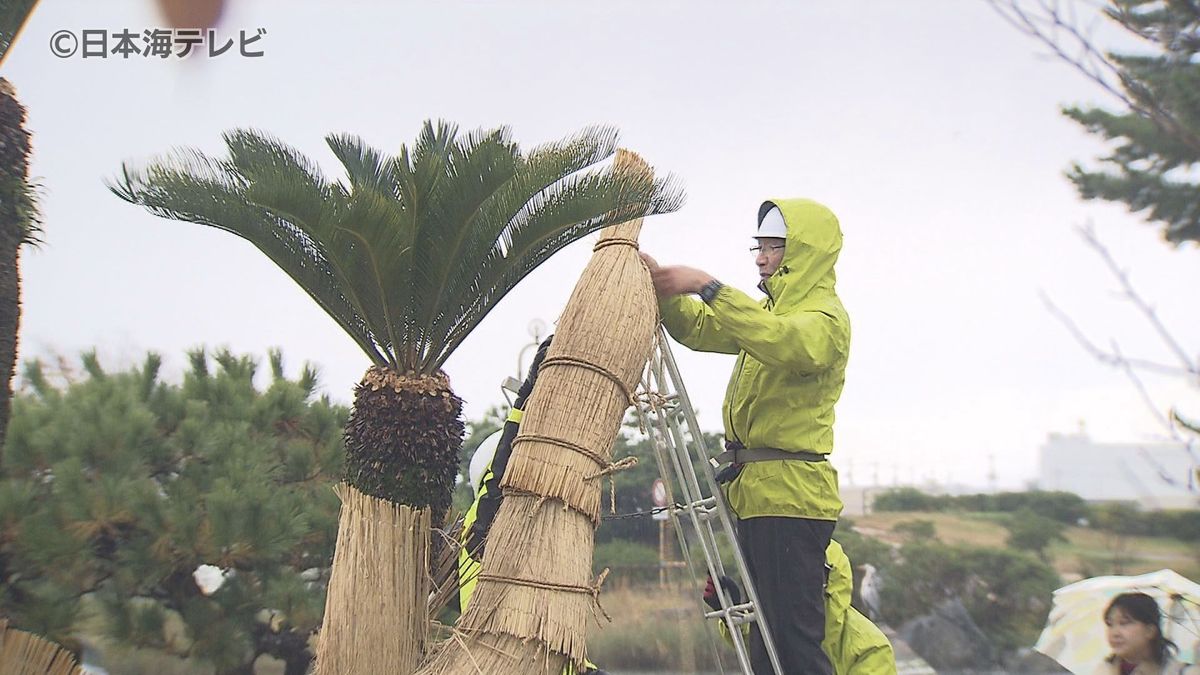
(930, 127)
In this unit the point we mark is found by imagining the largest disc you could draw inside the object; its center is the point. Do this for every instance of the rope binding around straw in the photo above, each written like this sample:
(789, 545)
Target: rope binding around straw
(592, 590)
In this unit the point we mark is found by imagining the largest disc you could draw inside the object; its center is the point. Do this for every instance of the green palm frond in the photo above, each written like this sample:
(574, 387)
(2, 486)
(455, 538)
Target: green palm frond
(191, 187)
(411, 251)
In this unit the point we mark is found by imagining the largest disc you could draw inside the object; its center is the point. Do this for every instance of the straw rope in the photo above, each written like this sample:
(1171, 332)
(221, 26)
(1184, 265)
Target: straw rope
(592, 590)
(596, 457)
(613, 467)
(615, 241)
(580, 363)
(23, 653)
(375, 606)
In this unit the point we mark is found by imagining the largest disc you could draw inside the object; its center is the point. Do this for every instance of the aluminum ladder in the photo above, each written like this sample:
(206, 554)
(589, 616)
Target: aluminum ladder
(667, 417)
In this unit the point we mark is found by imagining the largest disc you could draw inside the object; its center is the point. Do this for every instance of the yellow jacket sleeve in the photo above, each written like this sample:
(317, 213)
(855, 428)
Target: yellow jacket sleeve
(693, 325)
(801, 340)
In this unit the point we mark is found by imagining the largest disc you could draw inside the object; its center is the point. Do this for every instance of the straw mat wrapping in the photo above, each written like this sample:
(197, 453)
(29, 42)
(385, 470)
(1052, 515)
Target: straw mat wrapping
(603, 340)
(24, 653)
(536, 594)
(375, 618)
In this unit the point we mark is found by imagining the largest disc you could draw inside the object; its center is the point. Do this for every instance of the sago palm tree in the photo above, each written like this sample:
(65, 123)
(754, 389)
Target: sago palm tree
(407, 255)
(18, 212)
(18, 226)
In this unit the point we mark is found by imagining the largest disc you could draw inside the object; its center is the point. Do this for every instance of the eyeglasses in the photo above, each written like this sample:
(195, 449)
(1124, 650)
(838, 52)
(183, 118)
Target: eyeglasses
(769, 248)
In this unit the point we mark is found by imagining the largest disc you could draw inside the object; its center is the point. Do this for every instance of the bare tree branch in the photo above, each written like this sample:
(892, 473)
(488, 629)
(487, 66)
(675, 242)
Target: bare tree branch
(1162, 419)
(1105, 357)
(1058, 29)
(1047, 23)
(1159, 469)
(1171, 421)
(1088, 232)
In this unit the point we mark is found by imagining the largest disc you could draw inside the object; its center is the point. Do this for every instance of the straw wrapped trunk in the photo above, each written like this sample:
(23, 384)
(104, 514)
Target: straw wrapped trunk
(24, 653)
(398, 475)
(535, 594)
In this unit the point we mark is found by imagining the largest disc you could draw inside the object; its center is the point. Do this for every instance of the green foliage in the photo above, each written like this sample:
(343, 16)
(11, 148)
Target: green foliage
(1063, 507)
(656, 630)
(862, 550)
(120, 485)
(916, 530)
(627, 560)
(1156, 140)
(1033, 532)
(634, 485)
(1117, 517)
(1182, 525)
(908, 499)
(1007, 593)
(411, 251)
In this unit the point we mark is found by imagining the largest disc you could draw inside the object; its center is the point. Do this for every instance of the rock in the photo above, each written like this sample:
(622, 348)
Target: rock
(1029, 661)
(948, 639)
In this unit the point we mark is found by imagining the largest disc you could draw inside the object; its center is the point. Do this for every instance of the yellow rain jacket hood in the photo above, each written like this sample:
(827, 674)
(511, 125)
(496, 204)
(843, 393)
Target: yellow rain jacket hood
(792, 348)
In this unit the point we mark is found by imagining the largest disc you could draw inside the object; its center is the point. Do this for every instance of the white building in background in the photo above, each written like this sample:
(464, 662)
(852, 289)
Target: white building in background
(1156, 475)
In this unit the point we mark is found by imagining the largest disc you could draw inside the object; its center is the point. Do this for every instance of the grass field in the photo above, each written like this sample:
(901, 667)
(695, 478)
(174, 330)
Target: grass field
(655, 628)
(1087, 552)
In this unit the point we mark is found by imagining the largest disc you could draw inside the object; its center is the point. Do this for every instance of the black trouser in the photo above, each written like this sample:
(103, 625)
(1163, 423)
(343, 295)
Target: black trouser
(786, 557)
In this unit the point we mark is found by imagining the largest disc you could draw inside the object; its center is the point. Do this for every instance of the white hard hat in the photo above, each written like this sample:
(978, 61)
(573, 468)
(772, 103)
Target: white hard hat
(483, 457)
(772, 225)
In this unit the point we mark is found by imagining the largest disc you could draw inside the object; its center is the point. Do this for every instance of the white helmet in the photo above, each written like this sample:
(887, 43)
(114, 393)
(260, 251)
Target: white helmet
(772, 224)
(483, 457)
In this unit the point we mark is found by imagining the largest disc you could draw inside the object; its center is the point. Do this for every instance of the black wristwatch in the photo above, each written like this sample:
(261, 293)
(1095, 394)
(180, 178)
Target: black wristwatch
(709, 291)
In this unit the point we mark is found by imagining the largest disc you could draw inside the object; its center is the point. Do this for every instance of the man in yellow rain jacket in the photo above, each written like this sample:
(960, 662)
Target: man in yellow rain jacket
(791, 351)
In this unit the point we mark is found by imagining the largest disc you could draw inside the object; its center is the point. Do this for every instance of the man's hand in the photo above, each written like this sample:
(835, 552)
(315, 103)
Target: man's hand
(732, 591)
(675, 279)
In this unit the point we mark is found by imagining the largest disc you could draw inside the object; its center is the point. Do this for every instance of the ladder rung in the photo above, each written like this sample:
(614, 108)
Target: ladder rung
(744, 609)
(704, 509)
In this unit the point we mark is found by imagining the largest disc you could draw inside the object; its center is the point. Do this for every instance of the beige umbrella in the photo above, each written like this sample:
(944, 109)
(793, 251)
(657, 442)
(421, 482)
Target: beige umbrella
(1074, 633)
